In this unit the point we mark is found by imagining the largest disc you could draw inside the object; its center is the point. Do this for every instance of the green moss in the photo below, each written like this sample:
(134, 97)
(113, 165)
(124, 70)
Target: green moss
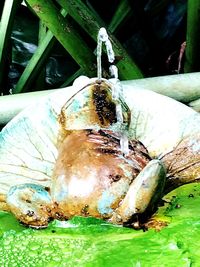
(92, 242)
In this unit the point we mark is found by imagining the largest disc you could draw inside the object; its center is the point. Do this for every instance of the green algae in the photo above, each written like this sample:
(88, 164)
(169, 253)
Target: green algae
(92, 242)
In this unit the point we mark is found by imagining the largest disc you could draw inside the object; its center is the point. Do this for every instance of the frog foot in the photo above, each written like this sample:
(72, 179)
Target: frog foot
(143, 194)
(31, 204)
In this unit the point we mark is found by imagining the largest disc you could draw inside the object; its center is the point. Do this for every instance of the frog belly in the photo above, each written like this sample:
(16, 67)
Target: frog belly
(91, 176)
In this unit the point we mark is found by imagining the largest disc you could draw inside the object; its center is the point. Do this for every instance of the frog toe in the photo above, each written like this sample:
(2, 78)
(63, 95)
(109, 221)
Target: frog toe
(31, 204)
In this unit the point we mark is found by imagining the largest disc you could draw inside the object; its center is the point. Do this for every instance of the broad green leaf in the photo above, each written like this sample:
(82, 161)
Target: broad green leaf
(92, 242)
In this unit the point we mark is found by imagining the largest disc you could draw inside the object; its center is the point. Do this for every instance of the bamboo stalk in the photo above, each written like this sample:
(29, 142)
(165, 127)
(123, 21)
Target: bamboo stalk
(7, 18)
(192, 53)
(182, 87)
(40, 81)
(91, 24)
(121, 13)
(34, 65)
(43, 31)
(65, 33)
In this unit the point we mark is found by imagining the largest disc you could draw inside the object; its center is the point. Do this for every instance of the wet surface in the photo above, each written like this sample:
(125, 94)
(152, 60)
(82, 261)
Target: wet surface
(92, 242)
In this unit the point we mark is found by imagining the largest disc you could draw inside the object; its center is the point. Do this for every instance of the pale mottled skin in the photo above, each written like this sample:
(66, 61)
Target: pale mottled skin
(97, 177)
(91, 177)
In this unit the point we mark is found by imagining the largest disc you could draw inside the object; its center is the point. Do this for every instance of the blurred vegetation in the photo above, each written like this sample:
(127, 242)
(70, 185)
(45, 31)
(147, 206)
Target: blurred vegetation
(47, 44)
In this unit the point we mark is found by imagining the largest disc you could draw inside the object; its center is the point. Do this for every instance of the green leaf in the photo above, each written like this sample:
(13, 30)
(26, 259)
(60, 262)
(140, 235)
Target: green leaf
(92, 242)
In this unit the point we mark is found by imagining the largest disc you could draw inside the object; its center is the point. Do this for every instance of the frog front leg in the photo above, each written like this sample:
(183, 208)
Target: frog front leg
(31, 204)
(144, 192)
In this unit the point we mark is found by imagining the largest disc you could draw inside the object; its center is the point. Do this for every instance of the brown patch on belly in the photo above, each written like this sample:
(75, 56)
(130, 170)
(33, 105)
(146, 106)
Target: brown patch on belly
(92, 161)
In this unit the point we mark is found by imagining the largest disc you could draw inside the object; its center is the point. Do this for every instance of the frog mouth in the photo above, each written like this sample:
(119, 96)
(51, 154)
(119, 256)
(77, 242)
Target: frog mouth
(103, 103)
(92, 106)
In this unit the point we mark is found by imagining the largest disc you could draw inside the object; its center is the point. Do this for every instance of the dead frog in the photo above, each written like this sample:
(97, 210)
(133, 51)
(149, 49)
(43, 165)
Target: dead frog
(92, 175)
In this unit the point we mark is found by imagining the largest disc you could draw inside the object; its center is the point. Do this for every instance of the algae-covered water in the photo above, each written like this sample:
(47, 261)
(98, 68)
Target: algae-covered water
(92, 242)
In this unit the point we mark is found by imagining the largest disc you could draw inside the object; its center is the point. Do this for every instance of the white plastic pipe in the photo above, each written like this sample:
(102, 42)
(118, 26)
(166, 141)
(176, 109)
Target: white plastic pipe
(182, 87)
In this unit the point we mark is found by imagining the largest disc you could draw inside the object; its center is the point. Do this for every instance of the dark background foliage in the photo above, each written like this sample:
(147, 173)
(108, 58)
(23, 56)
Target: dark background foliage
(152, 33)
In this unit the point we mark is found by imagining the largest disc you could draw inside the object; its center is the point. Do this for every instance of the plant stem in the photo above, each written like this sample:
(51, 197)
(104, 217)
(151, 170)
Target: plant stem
(65, 33)
(192, 53)
(40, 82)
(91, 24)
(72, 78)
(121, 13)
(37, 61)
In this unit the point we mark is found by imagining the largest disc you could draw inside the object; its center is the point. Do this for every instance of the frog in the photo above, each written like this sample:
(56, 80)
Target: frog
(115, 155)
(92, 176)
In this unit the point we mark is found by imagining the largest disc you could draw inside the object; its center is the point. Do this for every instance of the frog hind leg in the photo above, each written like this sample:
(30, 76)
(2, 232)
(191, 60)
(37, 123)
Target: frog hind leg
(31, 204)
(144, 192)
